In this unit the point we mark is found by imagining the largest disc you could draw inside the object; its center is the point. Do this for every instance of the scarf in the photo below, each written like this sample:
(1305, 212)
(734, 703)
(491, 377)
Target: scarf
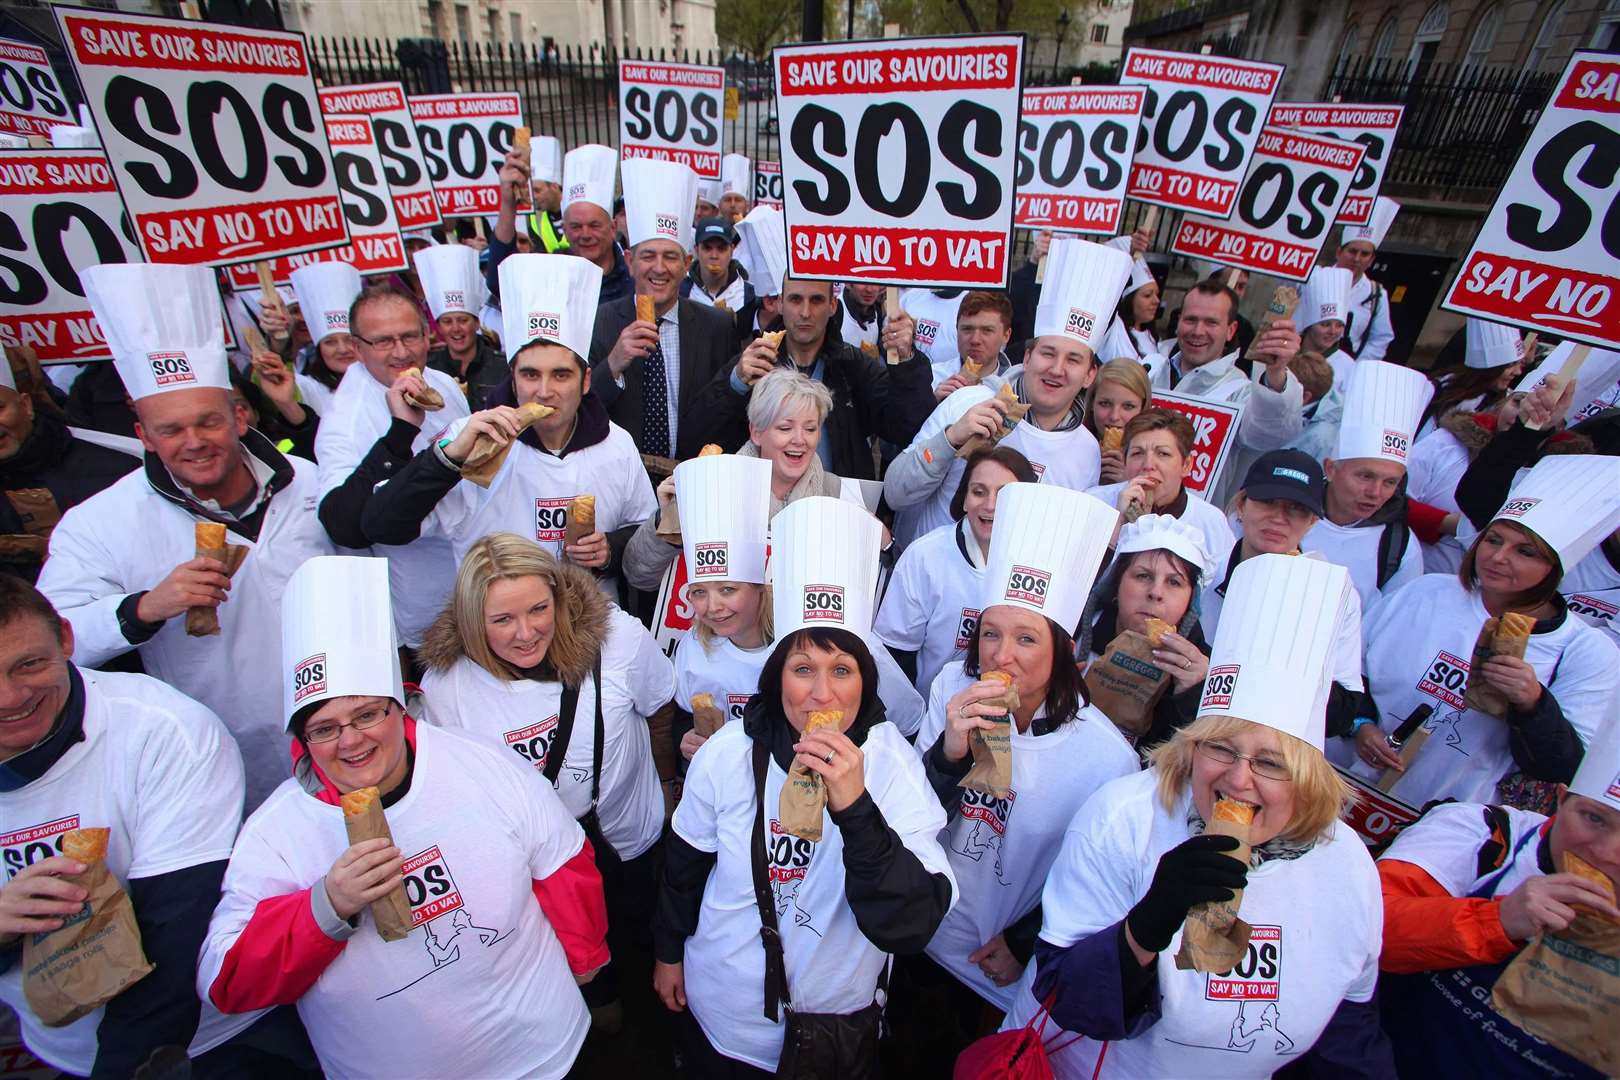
(1276, 849)
(815, 481)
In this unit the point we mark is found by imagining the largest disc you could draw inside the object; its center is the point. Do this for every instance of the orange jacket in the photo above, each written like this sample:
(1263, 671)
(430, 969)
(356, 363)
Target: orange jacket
(1428, 929)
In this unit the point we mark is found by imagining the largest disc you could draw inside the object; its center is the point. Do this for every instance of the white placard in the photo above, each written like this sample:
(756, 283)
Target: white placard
(1373, 126)
(403, 165)
(465, 139)
(672, 112)
(1074, 156)
(30, 99)
(768, 183)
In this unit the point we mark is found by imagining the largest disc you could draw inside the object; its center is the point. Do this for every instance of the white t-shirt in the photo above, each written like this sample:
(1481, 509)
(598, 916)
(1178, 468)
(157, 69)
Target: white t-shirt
(1199, 513)
(831, 966)
(936, 328)
(1445, 843)
(1356, 549)
(1592, 591)
(932, 604)
(1318, 929)
(521, 716)
(728, 674)
(1001, 849)
(481, 986)
(165, 776)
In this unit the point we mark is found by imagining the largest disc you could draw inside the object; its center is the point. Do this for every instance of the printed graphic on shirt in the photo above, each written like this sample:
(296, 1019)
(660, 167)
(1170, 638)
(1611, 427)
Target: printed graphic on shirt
(1255, 987)
(1040, 469)
(533, 743)
(965, 626)
(1445, 678)
(787, 861)
(927, 333)
(550, 519)
(734, 705)
(1449, 724)
(438, 910)
(1591, 608)
(982, 826)
(22, 848)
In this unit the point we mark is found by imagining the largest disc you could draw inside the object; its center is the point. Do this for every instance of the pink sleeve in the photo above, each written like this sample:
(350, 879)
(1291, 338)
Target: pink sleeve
(277, 957)
(571, 897)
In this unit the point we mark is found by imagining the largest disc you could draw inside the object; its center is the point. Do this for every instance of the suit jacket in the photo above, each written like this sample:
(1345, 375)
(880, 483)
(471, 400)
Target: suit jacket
(705, 350)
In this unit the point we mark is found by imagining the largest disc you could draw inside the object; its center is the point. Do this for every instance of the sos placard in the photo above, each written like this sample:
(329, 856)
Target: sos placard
(1074, 156)
(1546, 256)
(1215, 427)
(30, 100)
(375, 244)
(1288, 202)
(1200, 122)
(214, 134)
(672, 112)
(465, 138)
(63, 209)
(1373, 126)
(395, 132)
(768, 183)
(898, 158)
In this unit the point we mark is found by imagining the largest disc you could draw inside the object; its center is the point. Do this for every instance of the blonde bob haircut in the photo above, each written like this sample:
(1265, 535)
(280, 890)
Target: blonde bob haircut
(503, 557)
(1320, 796)
(767, 617)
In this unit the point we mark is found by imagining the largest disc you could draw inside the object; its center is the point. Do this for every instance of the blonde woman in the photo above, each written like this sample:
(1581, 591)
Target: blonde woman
(1120, 391)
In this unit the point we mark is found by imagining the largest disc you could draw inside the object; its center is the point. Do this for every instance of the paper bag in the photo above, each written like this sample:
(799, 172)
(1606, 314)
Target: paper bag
(669, 523)
(1214, 939)
(804, 798)
(1565, 988)
(487, 455)
(363, 817)
(1480, 695)
(992, 760)
(1125, 683)
(37, 508)
(581, 521)
(204, 621)
(707, 718)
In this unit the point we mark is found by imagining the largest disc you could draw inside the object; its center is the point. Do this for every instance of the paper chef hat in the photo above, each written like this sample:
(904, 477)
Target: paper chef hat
(1325, 296)
(824, 565)
(762, 249)
(1383, 405)
(589, 172)
(725, 507)
(1154, 532)
(1598, 777)
(1492, 345)
(337, 633)
(451, 280)
(1383, 216)
(660, 199)
(1082, 289)
(550, 298)
(1571, 501)
(709, 191)
(737, 176)
(1045, 550)
(1269, 661)
(1597, 375)
(1141, 274)
(73, 137)
(545, 159)
(162, 324)
(325, 291)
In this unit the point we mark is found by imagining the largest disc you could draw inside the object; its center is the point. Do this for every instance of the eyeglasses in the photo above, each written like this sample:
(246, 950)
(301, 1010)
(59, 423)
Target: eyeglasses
(1264, 767)
(410, 339)
(328, 730)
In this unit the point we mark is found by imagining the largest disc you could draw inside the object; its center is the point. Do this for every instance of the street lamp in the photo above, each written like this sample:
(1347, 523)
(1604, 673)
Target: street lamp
(1063, 29)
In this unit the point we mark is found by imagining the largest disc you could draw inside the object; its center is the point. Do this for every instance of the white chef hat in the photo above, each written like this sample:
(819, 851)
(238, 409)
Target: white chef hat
(824, 565)
(325, 291)
(1598, 777)
(1383, 405)
(589, 173)
(660, 199)
(708, 191)
(545, 159)
(74, 137)
(1597, 374)
(1571, 501)
(7, 379)
(1118, 243)
(725, 508)
(337, 633)
(1141, 274)
(1082, 288)
(1492, 344)
(1269, 660)
(762, 249)
(737, 176)
(1153, 532)
(548, 298)
(1326, 295)
(451, 279)
(1045, 550)
(162, 324)
(1383, 216)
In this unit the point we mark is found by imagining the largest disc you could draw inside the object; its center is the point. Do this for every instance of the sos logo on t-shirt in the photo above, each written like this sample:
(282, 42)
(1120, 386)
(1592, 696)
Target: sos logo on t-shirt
(734, 705)
(965, 626)
(712, 560)
(824, 603)
(309, 677)
(22, 848)
(1445, 678)
(1218, 686)
(980, 806)
(551, 519)
(533, 743)
(1028, 584)
(170, 368)
(1257, 977)
(927, 333)
(429, 887)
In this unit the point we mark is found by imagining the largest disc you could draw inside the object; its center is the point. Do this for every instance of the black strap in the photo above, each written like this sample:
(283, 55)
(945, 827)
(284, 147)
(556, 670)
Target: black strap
(1392, 548)
(776, 991)
(565, 730)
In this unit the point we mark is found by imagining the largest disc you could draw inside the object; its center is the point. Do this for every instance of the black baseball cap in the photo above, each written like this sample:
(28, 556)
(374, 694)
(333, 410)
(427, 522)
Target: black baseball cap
(715, 228)
(1287, 474)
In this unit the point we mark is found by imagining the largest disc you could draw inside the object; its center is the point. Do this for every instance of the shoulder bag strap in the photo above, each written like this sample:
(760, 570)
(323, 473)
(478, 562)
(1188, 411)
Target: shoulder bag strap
(596, 751)
(776, 993)
(565, 729)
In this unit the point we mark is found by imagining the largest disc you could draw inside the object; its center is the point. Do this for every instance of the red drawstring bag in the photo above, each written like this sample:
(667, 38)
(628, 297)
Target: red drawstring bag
(1012, 1055)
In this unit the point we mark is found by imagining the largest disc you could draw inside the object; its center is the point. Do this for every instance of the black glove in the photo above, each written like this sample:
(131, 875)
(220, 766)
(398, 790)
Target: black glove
(1196, 871)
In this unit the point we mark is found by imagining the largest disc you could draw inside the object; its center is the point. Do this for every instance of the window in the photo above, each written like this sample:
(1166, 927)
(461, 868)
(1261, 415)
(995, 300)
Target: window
(1384, 42)
(1484, 39)
(1606, 36)
(494, 27)
(1347, 46)
(1547, 37)
(1426, 42)
(1099, 33)
(463, 22)
(517, 28)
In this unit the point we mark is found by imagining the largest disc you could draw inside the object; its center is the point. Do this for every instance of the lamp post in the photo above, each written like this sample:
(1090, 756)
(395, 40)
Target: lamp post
(1063, 29)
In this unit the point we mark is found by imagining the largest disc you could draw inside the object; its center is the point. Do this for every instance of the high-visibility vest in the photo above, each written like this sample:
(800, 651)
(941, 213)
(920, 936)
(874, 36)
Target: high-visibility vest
(550, 236)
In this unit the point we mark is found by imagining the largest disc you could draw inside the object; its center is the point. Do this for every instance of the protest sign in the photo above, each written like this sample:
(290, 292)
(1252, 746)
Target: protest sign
(30, 100)
(1373, 126)
(375, 244)
(395, 132)
(671, 112)
(64, 207)
(768, 183)
(1215, 427)
(214, 134)
(898, 158)
(1200, 122)
(1295, 185)
(1545, 256)
(673, 612)
(1074, 156)
(465, 139)
(1377, 816)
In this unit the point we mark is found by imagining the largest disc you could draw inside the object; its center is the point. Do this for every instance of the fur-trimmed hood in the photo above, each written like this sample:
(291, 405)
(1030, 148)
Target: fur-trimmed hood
(1473, 430)
(577, 638)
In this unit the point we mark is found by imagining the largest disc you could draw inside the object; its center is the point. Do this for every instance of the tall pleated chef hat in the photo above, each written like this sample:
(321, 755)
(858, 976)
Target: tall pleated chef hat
(545, 159)
(589, 173)
(1596, 377)
(74, 137)
(725, 508)
(1153, 532)
(1383, 216)
(1326, 295)
(1045, 550)
(660, 199)
(1269, 661)
(737, 176)
(162, 324)
(1081, 291)
(1598, 777)
(709, 191)
(1571, 501)
(337, 633)
(325, 291)
(451, 280)
(824, 566)
(762, 249)
(1492, 345)
(548, 298)
(1141, 274)
(1383, 405)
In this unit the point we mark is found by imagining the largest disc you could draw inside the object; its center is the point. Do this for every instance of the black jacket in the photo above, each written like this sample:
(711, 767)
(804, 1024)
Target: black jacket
(71, 469)
(705, 350)
(489, 368)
